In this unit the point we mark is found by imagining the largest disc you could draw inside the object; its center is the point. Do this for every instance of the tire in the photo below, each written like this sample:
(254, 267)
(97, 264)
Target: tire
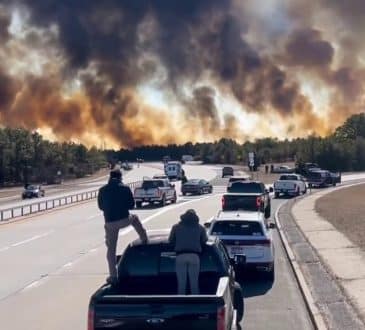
(277, 195)
(297, 193)
(201, 192)
(238, 303)
(138, 205)
(305, 191)
(268, 211)
(173, 201)
(184, 193)
(211, 190)
(163, 201)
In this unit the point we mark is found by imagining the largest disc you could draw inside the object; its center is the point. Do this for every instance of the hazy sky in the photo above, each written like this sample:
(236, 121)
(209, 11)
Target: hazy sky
(163, 71)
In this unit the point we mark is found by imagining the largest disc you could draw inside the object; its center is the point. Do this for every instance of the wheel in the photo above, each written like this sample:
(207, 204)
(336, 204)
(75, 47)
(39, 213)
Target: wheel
(305, 191)
(163, 201)
(201, 191)
(138, 205)
(211, 190)
(238, 303)
(277, 194)
(268, 211)
(174, 199)
(297, 193)
(184, 193)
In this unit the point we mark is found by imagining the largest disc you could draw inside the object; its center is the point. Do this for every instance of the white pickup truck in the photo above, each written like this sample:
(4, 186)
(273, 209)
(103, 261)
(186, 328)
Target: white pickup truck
(155, 191)
(290, 184)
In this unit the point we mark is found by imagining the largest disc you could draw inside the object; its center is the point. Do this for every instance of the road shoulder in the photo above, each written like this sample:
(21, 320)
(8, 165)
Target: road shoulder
(328, 261)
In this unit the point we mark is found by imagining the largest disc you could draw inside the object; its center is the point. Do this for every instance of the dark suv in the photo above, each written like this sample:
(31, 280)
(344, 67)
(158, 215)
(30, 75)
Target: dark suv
(227, 171)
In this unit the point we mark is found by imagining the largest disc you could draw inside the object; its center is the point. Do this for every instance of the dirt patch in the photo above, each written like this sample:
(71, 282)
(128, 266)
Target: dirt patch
(345, 210)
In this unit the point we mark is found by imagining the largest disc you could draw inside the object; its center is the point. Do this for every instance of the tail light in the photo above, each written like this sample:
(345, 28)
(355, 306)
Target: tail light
(258, 201)
(90, 318)
(221, 318)
(265, 242)
(223, 202)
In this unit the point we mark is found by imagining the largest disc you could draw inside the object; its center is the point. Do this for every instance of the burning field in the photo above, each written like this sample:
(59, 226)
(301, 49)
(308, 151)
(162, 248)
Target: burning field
(137, 72)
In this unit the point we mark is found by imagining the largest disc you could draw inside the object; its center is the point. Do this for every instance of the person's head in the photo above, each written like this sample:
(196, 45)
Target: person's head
(116, 174)
(189, 217)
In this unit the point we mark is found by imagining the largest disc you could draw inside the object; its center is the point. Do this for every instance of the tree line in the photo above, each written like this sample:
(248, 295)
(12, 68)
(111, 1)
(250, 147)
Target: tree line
(344, 150)
(26, 157)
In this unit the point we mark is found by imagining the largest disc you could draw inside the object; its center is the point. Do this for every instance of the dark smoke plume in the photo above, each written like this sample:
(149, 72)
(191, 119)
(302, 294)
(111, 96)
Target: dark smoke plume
(98, 54)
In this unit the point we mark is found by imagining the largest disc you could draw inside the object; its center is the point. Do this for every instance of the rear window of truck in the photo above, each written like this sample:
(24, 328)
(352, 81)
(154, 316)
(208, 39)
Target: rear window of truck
(151, 184)
(288, 178)
(246, 187)
(237, 202)
(153, 260)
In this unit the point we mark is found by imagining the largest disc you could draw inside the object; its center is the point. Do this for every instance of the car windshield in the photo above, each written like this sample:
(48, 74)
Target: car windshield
(193, 181)
(237, 179)
(150, 184)
(31, 187)
(245, 187)
(288, 177)
(242, 228)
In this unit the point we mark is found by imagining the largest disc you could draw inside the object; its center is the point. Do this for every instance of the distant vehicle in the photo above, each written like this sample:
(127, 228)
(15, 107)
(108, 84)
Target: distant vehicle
(145, 296)
(305, 168)
(322, 178)
(31, 191)
(155, 191)
(247, 196)
(187, 158)
(249, 234)
(196, 186)
(166, 159)
(127, 166)
(290, 184)
(227, 171)
(174, 170)
(283, 169)
(160, 176)
(237, 178)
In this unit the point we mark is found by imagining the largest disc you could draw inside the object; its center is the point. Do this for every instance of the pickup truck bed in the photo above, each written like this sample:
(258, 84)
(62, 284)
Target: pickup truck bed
(146, 294)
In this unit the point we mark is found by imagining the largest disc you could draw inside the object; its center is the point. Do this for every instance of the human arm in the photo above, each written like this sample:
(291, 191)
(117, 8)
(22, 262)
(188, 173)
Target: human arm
(100, 200)
(130, 199)
(172, 236)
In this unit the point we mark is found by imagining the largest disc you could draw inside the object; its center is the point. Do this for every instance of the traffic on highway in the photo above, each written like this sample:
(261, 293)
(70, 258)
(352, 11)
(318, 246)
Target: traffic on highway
(252, 261)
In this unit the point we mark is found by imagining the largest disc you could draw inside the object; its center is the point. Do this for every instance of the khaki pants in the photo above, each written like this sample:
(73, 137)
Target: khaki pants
(188, 265)
(111, 238)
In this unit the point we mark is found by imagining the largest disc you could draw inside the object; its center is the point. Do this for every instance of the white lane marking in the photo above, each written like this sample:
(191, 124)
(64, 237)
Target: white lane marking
(93, 216)
(32, 285)
(32, 238)
(5, 248)
(144, 221)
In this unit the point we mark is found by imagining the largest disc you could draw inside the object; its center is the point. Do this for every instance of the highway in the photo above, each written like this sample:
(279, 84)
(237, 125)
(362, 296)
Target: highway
(52, 262)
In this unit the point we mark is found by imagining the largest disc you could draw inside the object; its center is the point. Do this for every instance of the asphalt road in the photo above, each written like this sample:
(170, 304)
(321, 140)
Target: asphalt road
(51, 264)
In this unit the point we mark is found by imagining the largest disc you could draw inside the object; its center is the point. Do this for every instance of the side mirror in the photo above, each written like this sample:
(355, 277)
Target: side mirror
(239, 259)
(271, 189)
(272, 225)
(207, 225)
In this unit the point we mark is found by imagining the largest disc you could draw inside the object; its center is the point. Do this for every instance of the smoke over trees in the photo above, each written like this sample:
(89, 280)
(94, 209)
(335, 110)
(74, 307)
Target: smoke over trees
(88, 70)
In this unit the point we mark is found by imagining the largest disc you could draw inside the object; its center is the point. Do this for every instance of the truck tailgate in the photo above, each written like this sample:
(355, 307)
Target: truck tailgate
(188, 315)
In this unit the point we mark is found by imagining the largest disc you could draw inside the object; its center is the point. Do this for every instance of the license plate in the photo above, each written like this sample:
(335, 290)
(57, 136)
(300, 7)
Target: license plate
(233, 250)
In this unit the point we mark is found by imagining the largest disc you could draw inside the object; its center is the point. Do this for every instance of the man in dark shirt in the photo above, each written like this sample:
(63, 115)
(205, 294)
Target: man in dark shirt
(188, 237)
(115, 200)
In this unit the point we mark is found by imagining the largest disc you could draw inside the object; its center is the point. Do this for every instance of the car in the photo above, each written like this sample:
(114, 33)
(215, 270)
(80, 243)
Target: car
(160, 176)
(31, 191)
(248, 196)
(196, 186)
(145, 296)
(322, 178)
(227, 171)
(246, 233)
(127, 166)
(290, 185)
(174, 170)
(237, 178)
(155, 191)
(283, 169)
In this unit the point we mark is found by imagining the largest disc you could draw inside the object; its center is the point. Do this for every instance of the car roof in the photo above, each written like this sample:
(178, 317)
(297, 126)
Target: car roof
(161, 236)
(239, 215)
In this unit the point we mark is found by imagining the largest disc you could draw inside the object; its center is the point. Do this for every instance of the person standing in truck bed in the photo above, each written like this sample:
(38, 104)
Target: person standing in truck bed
(188, 238)
(115, 200)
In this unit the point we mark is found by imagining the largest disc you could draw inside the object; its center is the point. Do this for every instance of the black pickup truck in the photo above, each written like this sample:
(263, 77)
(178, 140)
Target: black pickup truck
(145, 296)
(247, 196)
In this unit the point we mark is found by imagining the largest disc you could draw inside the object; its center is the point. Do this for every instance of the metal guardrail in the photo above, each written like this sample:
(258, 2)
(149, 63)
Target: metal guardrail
(49, 204)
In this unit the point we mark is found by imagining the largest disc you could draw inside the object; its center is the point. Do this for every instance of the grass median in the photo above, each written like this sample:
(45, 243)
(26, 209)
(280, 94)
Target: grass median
(345, 210)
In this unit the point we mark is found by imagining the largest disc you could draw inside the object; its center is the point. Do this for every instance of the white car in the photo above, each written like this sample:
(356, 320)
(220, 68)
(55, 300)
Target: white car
(290, 185)
(174, 170)
(249, 234)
